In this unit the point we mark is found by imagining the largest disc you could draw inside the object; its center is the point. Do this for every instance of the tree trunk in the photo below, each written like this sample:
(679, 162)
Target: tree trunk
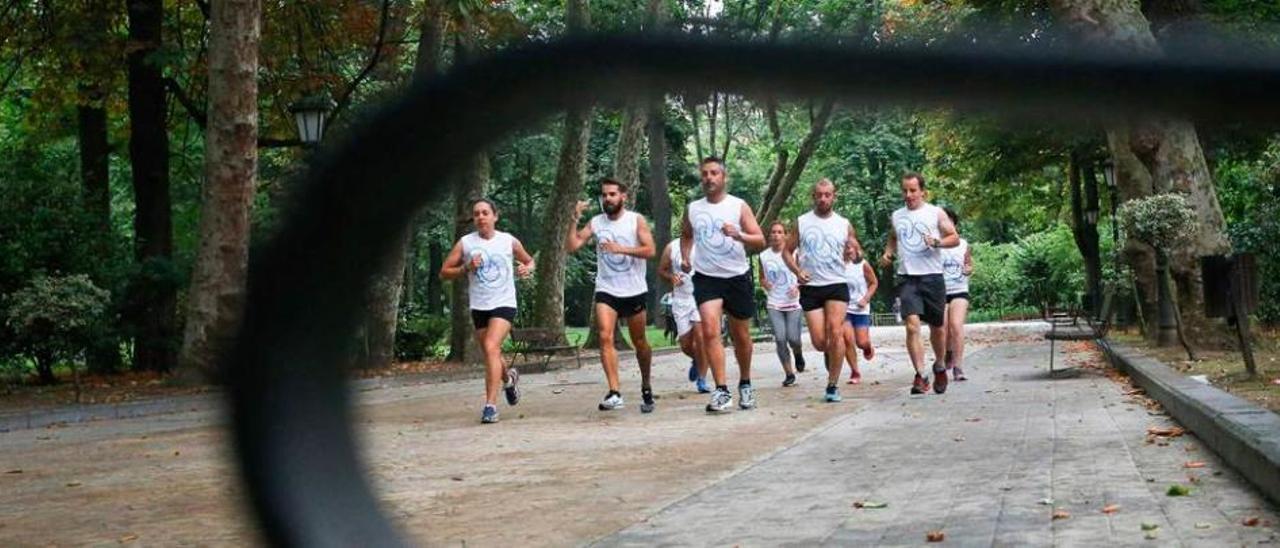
(1168, 149)
(154, 313)
(779, 196)
(102, 355)
(548, 296)
(471, 186)
(435, 258)
(382, 301)
(216, 297)
(659, 195)
(1084, 230)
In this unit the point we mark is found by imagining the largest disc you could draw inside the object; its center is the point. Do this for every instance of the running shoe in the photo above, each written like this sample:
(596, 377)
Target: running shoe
(703, 387)
(511, 388)
(920, 385)
(746, 396)
(721, 401)
(799, 362)
(790, 380)
(939, 378)
(611, 401)
(693, 370)
(855, 378)
(833, 395)
(646, 400)
(958, 374)
(490, 414)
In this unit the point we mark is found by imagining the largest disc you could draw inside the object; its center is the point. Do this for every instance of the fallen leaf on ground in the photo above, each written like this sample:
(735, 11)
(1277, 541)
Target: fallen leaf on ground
(1202, 525)
(1046, 502)
(870, 504)
(1111, 508)
(1134, 391)
(1176, 490)
(1061, 514)
(1148, 526)
(1169, 432)
(73, 484)
(456, 478)
(1251, 521)
(959, 438)
(1151, 535)
(973, 419)
(128, 538)
(935, 536)
(1194, 464)
(14, 471)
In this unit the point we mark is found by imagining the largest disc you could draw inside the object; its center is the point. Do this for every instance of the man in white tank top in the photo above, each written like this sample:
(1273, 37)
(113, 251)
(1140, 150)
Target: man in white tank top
(816, 253)
(625, 243)
(485, 258)
(722, 228)
(919, 230)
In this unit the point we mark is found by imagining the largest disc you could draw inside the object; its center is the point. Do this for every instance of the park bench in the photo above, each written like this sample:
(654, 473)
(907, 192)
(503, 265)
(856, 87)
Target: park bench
(884, 318)
(544, 342)
(1064, 325)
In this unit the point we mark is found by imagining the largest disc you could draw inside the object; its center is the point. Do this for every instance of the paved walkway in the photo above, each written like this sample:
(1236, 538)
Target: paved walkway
(989, 463)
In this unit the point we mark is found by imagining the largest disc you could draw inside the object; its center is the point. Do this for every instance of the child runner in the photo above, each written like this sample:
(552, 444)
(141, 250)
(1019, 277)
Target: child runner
(957, 266)
(782, 302)
(857, 327)
(484, 257)
(685, 312)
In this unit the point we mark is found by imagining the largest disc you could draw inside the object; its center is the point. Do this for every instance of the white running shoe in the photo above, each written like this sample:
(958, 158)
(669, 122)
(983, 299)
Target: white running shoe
(611, 402)
(721, 401)
(746, 396)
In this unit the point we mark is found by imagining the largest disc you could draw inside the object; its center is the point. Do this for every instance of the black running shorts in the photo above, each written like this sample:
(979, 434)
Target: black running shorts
(480, 318)
(737, 293)
(624, 306)
(813, 297)
(924, 296)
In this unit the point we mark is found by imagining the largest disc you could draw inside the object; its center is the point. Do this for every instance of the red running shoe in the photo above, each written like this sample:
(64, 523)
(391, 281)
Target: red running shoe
(920, 385)
(939, 378)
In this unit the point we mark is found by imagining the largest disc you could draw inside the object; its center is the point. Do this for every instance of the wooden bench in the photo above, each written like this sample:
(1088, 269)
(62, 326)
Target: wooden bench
(1064, 325)
(885, 318)
(543, 342)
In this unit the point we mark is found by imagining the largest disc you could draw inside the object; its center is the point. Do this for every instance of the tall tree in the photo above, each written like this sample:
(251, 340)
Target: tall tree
(1164, 151)
(1084, 199)
(657, 185)
(382, 306)
(154, 293)
(782, 182)
(548, 297)
(472, 185)
(216, 297)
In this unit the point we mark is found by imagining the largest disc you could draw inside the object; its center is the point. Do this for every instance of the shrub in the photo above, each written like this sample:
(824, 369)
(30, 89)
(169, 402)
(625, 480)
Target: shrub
(1160, 220)
(418, 335)
(54, 317)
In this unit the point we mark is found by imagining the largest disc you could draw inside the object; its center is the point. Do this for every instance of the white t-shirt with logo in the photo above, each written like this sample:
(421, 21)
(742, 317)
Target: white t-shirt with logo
(821, 250)
(718, 255)
(916, 258)
(781, 280)
(953, 268)
(684, 291)
(856, 277)
(618, 274)
(493, 284)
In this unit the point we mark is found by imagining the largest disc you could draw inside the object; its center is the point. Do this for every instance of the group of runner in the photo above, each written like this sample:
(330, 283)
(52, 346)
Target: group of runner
(815, 268)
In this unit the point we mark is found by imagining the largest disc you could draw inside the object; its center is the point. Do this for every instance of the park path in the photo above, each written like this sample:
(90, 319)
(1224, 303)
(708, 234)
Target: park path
(988, 463)
(557, 472)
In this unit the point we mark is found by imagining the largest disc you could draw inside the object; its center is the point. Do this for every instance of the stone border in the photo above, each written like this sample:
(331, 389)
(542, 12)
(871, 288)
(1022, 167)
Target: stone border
(212, 401)
(1243, 434)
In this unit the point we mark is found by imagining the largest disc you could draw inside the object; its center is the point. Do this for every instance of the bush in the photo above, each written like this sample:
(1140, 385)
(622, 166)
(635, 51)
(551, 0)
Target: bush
(1049, 267)
(54, 317)
(1160, 220)
(419, 336)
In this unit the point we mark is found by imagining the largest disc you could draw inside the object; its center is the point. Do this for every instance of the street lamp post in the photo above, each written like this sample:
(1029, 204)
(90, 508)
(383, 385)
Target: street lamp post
(310, 113)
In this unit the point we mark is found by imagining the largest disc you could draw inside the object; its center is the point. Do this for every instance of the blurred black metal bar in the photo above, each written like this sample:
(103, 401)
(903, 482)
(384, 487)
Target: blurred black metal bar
(290, 406)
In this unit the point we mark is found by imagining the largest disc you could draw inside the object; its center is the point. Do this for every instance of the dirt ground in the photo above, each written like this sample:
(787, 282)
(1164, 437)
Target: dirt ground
(444, 478)
(1225, 368)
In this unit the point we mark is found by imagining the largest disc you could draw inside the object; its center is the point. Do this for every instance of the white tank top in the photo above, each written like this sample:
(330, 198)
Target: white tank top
(856, 277)
(718, 255)
(821, 251)
(617, 274)
(493, 285)
(684, 291)
(953, 268)
(781, 280)
(911, 226)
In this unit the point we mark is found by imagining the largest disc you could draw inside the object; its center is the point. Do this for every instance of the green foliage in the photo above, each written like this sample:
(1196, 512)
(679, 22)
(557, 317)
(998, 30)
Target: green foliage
(419, 335)
(995, 281)
(54, 317)
(1050, 270)
(1162, 220)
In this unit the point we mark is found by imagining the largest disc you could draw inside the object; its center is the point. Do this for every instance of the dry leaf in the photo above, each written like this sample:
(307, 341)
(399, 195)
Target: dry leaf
(1169, 432)
(935, 536)
(128, 538)
(870, 504)
(1194, 464)
(14, 471)
(1061, 514)
(73, 484)
(1111, 508)
(972, 419)
(1251, 521)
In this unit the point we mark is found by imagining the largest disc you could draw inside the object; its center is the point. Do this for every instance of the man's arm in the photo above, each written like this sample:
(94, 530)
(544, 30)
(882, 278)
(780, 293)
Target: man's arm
(950, 238)
(751, 236)
(577, 237)
(664, 265)
(789, 254)
(890, 247)
(645, 236)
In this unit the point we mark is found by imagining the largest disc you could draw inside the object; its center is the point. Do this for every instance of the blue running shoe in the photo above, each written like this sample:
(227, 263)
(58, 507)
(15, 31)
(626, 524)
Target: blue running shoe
(833, 395)
(693, 370)
(703, 387)
(490, 414)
